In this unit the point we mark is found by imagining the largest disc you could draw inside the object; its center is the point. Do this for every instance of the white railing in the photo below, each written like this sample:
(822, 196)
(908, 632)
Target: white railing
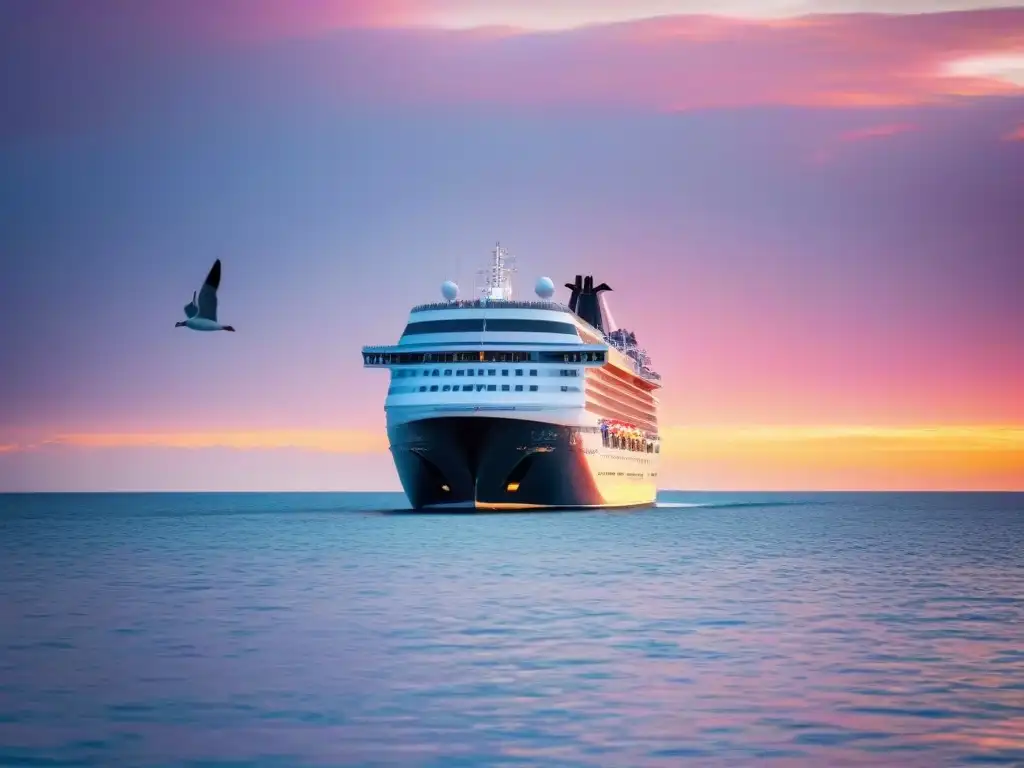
(492, 304)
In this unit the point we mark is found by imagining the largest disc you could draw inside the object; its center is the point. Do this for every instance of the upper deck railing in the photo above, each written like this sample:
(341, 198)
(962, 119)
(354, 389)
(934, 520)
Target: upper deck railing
(492, 304)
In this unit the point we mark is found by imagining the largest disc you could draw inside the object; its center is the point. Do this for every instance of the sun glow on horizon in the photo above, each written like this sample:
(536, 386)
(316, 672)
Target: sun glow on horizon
(754, 457)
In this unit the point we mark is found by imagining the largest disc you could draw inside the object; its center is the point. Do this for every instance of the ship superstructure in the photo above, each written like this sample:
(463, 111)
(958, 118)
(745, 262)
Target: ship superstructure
(496, 403)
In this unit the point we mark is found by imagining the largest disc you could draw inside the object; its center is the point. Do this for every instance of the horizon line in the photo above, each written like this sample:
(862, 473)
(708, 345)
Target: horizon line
(834, 491)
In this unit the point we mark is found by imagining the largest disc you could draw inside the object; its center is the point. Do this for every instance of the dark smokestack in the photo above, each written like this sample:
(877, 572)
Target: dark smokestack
(577, 289)
(584, 300)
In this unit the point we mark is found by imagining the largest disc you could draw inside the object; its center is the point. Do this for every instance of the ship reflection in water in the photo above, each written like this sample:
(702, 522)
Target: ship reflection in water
(314, 630)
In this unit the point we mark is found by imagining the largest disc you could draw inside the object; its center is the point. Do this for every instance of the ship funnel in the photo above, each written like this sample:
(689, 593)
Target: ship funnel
(584, 301)
(577, 289)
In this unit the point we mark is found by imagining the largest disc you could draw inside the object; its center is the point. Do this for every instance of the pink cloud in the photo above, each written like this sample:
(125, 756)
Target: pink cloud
(278, 55)
(877, 131)
(1017, 134)
(170, 23)
(682, 63)
(829, 152)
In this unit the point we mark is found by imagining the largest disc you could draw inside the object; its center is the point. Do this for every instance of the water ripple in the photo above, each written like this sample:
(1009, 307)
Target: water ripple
(312, 630)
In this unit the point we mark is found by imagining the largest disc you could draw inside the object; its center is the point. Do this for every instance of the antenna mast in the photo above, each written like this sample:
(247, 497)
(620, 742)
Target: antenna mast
(497, 278)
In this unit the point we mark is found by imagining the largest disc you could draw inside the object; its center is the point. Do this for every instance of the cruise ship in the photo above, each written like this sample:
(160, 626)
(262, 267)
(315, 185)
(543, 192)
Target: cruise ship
(497, 403)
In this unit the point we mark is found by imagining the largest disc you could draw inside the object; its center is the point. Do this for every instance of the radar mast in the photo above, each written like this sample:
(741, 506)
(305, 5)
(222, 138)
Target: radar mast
(497, 278)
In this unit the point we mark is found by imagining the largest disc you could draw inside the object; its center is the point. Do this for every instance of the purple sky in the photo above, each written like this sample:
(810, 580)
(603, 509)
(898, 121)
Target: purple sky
(808, 222)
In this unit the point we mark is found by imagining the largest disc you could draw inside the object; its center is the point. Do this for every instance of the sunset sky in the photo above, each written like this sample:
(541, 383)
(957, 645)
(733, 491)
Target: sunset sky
(812, 217)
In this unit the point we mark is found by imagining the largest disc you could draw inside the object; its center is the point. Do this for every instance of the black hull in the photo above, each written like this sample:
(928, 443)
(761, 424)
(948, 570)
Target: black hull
(492, 463)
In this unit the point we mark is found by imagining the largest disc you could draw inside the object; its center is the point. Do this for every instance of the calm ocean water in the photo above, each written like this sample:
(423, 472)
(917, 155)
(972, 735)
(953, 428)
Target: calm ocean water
(294, 630)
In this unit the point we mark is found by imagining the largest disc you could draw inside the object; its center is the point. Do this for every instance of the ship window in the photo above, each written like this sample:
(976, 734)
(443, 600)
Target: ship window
(433, 388)
(467, 387)
(435, 372)
(565, 388)
(533, 371)
(492, 387)
(504, 387)
(479, 371)
(462, 325)
(504, 371)
(533, 387)
(460, 372)
(471, 372)
(530, 326)
(519, 387)
(519, 371)
(480, 387)
(447, 371)
(423, 389)
(446, 388)
(492, 372)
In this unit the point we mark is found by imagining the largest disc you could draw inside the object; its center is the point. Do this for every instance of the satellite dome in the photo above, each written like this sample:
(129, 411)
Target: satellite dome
(449, 290)
(545, 288)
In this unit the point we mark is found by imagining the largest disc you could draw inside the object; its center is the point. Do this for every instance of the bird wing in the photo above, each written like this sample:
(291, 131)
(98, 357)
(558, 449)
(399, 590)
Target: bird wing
(192, 309)
(208, 293)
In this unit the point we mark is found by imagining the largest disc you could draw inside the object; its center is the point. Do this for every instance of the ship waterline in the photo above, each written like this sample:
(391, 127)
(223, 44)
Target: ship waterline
(502, 404)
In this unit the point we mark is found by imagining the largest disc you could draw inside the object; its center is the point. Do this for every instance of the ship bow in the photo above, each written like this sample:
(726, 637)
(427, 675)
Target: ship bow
(492, 463)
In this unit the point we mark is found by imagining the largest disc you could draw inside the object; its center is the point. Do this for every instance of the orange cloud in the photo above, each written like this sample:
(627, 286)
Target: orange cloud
(725, 457)
(849, 458)
(943, 439)
(337, 441)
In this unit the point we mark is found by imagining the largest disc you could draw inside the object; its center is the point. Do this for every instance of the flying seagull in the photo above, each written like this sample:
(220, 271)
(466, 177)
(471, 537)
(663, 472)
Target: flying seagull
(202, 314)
